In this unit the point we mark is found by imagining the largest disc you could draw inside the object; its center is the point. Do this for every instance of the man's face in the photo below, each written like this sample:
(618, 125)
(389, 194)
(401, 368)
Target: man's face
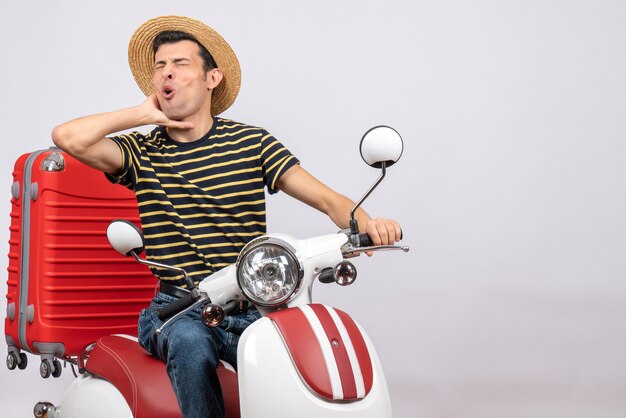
(180, 81)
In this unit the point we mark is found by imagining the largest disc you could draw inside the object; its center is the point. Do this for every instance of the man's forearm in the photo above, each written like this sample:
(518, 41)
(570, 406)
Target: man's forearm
(77, 135)
(340, 210)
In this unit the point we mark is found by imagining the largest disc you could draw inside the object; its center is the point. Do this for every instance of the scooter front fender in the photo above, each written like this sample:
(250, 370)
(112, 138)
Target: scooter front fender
(270, 384)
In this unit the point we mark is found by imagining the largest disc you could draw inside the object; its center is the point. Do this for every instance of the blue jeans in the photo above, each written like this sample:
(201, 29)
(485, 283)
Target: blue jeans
(192, 352)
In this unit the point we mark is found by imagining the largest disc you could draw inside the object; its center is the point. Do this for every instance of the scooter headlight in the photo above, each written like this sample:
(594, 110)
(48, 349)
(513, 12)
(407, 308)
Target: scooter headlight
(268, 271)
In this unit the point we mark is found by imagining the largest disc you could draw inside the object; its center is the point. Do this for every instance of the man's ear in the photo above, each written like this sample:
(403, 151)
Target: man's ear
(213, 79)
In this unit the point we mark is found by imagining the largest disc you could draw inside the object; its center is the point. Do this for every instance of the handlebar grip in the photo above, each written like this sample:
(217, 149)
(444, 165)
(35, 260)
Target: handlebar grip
(366, 241)
(175, 307)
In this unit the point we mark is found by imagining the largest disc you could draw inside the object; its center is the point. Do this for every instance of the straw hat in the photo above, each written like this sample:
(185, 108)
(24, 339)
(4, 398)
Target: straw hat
(141, 57)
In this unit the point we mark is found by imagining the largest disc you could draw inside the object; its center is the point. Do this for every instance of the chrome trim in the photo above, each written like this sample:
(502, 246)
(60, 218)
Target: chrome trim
(53, 162)
(290, 250)
(44, 410)
(350, 250)
(192, 288)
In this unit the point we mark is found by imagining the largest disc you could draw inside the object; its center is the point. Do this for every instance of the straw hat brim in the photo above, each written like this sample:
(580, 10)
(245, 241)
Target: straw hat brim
(141, 57)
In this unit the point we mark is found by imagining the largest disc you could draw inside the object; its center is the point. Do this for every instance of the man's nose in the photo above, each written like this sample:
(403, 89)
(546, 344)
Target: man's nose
(168, 71)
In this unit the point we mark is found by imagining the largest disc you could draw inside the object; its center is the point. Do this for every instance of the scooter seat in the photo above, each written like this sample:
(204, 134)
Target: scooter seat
(143, 380)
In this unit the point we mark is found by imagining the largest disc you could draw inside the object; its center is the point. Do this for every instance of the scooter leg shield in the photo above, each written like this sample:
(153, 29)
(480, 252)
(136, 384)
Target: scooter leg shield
(277, 381)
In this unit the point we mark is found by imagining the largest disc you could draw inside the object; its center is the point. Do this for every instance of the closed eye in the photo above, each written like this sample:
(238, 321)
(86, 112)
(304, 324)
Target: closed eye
(181, 61)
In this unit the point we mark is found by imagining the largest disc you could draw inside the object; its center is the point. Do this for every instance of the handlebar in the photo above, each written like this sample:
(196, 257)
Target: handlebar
(174, 307)
(365, 240)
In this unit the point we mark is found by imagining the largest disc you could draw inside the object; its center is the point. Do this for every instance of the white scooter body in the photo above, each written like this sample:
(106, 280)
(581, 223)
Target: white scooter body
(94, 397)
(270, 384)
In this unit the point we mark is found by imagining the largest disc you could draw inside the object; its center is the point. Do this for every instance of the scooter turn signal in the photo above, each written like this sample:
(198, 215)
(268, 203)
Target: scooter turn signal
(44, 410)
(212, 315)
(345, 273)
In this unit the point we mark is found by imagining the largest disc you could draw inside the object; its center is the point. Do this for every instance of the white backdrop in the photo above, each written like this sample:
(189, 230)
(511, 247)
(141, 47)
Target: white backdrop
(511, 190)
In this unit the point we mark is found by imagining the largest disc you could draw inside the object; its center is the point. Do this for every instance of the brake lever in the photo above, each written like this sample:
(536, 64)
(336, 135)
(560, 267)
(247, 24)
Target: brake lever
(352, 251)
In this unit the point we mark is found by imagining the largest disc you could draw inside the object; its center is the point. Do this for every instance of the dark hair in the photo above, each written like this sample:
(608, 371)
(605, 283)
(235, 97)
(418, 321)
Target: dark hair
(173, 36)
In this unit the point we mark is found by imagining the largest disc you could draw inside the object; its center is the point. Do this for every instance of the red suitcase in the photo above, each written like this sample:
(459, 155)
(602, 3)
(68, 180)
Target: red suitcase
(66, 286)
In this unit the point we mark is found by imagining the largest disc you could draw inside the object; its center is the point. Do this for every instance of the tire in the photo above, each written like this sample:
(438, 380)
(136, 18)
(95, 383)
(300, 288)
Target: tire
(11, 361)
(45, 369)
(57, 368)
(23, 361)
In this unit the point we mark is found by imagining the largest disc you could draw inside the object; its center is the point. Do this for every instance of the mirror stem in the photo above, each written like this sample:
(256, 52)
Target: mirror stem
(188, 281)
(354, 226)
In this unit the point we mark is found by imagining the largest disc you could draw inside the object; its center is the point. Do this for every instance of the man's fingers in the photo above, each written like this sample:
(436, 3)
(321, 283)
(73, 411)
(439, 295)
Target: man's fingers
(398, 230)
(372, 231)
(384, 231)
(393, 231)
(378, 232)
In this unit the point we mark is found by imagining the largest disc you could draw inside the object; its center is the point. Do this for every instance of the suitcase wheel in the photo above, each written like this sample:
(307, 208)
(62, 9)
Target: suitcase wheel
(46, 369)
(57, 368)
(14, 361)
(23, 361)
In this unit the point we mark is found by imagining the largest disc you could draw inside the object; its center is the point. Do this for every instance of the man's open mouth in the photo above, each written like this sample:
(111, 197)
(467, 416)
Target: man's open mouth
(168, 92)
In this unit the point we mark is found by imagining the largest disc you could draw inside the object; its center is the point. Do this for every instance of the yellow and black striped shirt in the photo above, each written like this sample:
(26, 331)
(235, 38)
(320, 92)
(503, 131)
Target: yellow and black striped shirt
(201, 202)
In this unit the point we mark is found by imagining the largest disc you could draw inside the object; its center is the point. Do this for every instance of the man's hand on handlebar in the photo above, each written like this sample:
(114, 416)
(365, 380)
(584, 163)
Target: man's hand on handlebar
(382, 232)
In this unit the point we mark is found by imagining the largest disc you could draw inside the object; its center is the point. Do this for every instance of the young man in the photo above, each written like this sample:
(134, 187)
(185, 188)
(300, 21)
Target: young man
(199, 181)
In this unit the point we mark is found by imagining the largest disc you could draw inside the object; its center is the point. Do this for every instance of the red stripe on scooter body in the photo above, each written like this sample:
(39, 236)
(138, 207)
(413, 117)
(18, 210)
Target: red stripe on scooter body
(307, 354)
(346, 374)
(362, 353)
(304, 349)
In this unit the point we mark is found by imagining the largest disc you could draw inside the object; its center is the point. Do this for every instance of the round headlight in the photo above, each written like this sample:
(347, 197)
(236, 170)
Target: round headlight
(268, 272)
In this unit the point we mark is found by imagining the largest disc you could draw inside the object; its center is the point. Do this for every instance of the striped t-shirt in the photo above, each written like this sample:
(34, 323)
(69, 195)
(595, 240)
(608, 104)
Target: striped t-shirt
(201, 202)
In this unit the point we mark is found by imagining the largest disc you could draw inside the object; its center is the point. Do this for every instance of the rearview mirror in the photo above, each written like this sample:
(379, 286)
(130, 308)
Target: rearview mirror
(125, 237)
(380, 147)
(381, 144)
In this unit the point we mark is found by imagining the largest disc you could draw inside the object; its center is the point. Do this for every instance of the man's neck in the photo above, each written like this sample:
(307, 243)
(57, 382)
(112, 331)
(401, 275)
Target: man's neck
(202, 123)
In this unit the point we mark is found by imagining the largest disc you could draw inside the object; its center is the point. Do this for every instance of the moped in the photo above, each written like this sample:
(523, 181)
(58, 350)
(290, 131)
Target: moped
(301, 359)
